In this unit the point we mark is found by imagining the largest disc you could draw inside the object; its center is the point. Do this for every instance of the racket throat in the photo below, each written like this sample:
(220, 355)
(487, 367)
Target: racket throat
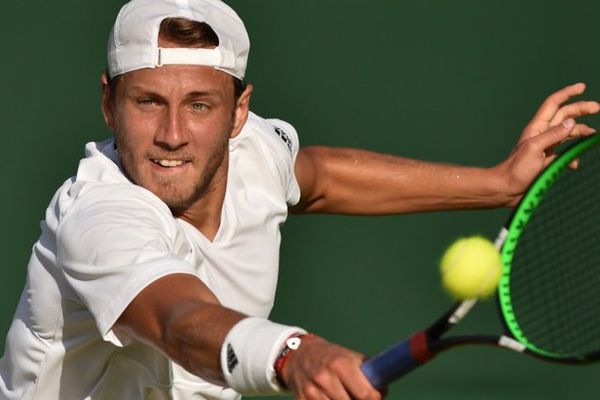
(511, 344)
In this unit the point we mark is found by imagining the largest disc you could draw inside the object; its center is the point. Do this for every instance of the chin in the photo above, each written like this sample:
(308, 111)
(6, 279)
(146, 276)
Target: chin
(179, 199)
(178, 205)
(179, 192)
(174, 199)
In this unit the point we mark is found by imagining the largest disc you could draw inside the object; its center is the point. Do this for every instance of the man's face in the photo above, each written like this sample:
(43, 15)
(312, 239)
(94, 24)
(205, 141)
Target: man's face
(172, 125)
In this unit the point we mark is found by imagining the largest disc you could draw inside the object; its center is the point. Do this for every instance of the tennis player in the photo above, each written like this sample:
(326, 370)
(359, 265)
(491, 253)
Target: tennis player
(157, 264)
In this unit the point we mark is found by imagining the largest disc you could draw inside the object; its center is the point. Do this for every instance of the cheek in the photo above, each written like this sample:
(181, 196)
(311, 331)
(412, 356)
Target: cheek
(211, 134)
(132, 133)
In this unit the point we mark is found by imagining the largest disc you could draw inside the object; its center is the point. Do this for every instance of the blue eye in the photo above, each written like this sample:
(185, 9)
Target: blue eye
(146, 102)
(198, 106)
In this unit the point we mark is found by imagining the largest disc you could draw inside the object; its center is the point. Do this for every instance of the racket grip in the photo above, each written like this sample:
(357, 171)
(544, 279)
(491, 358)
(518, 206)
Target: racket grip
(397, 361)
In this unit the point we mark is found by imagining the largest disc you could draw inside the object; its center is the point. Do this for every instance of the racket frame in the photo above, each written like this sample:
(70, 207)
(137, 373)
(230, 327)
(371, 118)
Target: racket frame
(422, 346)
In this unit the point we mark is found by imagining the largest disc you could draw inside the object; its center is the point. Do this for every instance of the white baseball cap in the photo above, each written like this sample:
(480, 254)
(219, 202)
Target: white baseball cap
(133, 41)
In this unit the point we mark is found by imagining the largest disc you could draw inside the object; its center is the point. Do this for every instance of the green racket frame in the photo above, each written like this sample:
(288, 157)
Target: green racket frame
(519, 220)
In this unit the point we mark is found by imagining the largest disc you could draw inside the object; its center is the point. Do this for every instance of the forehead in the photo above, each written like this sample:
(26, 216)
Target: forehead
(180, 80)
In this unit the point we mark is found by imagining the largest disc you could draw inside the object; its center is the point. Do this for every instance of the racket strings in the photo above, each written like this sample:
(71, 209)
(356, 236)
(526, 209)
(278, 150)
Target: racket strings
(555, 272)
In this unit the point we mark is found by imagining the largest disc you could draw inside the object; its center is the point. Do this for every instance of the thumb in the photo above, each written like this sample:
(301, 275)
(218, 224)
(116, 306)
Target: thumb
(555, 135)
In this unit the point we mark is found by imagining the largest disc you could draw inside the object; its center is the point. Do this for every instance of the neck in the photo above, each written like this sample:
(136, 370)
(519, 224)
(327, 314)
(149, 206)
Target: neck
(205, 213)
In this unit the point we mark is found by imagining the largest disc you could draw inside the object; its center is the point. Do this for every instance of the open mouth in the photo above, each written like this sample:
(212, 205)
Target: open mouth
(168, 163)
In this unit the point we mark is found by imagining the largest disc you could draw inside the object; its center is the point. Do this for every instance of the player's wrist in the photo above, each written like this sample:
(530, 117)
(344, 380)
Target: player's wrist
(249, 353)
(501, 186)
(292, 344)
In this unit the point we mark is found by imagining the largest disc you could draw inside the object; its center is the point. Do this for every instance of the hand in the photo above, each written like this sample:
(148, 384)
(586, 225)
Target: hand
(552, 124)
(321, 370)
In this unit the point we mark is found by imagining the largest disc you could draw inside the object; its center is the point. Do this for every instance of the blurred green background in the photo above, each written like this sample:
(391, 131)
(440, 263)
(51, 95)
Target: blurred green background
(450, 81)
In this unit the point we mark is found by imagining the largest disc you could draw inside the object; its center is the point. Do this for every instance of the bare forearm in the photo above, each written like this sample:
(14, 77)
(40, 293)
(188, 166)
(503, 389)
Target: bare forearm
(360, 182)
(195, 336)
(353, 181)
(181, 317)
(178, 315)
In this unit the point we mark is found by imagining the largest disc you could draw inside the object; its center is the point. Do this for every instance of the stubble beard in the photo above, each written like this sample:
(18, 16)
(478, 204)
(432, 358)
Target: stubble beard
(170, 192)
(207, 182)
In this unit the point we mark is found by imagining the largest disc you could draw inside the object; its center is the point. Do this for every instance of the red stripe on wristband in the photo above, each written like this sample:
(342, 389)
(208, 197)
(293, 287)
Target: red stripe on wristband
(285, 355)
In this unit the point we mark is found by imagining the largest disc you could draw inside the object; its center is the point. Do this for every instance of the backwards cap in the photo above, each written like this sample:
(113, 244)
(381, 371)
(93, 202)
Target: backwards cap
(133, 41)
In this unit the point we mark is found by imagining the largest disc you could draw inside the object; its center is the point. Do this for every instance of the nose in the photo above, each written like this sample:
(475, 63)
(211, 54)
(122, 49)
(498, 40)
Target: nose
(170, 133)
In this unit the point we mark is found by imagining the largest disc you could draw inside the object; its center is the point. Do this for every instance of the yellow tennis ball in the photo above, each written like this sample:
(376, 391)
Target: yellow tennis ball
(471, 268)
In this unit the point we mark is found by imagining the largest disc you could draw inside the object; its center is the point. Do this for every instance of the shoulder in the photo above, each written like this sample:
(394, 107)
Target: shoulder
(101, 202)
(120, 224)
(94, 204)
(270, 146)
(276, 133)
(100, 188)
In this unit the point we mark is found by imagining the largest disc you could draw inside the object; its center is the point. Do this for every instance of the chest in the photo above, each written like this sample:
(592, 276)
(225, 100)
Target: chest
(240, 265)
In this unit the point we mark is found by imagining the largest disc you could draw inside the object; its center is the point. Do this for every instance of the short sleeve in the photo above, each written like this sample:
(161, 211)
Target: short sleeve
(113, 242)
(289, 137)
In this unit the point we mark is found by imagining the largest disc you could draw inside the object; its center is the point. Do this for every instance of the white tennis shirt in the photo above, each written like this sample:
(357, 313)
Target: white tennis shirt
(105, 239)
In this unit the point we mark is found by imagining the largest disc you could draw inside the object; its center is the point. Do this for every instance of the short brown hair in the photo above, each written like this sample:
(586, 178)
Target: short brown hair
(188, 33)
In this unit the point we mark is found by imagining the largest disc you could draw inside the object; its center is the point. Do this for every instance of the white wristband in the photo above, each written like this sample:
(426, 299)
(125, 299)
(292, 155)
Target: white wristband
(249, 352)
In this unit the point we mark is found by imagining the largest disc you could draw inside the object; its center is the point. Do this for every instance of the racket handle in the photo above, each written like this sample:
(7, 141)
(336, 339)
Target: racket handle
(397, 361)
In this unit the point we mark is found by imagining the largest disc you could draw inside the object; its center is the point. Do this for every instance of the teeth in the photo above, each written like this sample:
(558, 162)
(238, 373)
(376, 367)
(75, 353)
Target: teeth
(169, 163)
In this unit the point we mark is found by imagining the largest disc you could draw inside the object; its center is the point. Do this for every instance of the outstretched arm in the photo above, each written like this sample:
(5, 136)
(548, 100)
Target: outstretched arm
(351, 181)
(180, 316)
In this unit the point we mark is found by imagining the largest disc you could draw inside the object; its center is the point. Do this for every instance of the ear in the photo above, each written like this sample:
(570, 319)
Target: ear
(242, 107)
(107, 105)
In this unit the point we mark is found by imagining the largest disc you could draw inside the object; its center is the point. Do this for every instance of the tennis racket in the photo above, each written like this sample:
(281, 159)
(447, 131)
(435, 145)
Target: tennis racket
(549, 291)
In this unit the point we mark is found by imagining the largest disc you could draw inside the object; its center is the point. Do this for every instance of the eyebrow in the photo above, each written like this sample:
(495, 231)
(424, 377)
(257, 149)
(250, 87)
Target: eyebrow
(215, 94)
(207, 93)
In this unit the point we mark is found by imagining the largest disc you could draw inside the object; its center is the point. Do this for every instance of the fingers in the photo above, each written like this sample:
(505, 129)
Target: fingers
(574, 164)
(325, 384)
(360, 388)
(340, 383)
(552, 103)
(315, 392)
(581, 130)
(575, 110)
(321, 370)
(548, 141)
(542, 118)
(553, 136)
(552, 125)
